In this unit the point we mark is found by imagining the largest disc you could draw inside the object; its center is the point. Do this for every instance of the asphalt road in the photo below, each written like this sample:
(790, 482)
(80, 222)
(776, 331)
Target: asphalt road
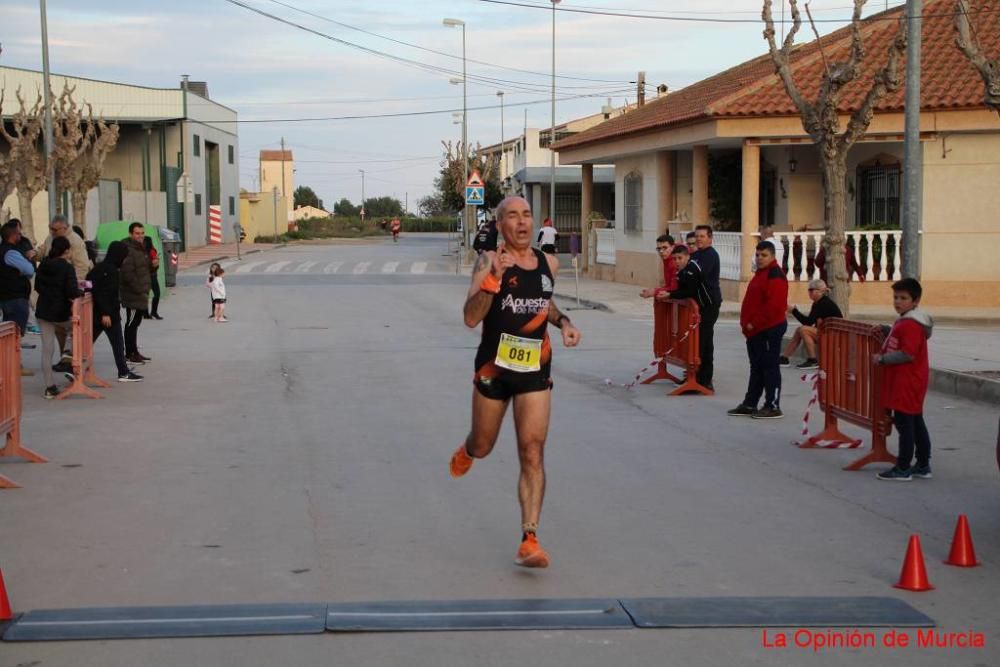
(299, 453)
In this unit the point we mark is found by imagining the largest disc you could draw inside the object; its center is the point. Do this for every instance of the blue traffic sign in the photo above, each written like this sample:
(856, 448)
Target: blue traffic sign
(475, 195)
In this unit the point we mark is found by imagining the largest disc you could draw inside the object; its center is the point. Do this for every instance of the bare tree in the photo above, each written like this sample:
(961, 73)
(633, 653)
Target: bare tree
(967, 43)
(81, 145)
(26, 159)
(821, 121)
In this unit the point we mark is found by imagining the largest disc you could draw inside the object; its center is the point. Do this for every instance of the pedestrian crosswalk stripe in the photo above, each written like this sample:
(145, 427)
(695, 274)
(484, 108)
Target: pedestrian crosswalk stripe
(277, 266)
(247, 268)
(361, 267)
(389, 267)
(304, 267)
(418, 267)
(332, 267)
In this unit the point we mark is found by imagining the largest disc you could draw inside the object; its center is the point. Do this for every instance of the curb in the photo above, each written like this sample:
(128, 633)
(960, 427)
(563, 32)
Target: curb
(584, 303)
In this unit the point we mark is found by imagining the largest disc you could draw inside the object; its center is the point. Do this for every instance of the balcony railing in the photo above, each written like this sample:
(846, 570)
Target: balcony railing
(728, 245)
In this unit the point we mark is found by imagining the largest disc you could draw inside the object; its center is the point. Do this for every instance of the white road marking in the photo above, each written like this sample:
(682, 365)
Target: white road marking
(247, 268)
(277, 266)
(304, 267)
(332, 267)
(418, 267)
(360, 267)
(389, 267)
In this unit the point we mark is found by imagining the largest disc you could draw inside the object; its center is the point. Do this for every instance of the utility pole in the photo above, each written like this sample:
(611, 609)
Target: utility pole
(552, 141)
(284, 193)
(274, 200)
(406, 205)
(503, 153)
(49, 164)
(641, 89)
(362, 194)
(913, 156)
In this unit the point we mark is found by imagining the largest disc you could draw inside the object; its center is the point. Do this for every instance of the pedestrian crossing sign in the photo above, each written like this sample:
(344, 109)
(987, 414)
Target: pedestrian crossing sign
(475, 195)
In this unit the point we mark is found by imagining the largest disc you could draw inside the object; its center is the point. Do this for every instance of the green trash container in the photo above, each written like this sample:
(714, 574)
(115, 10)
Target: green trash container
(171, 241)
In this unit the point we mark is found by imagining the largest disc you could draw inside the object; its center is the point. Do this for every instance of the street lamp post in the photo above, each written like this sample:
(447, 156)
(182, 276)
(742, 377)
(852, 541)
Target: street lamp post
(552, 141)
(49, 165)
(503, 153)
(465, 123)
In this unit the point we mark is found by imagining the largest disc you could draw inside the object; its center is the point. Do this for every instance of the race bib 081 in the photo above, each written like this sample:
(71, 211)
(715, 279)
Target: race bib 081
(521, 355)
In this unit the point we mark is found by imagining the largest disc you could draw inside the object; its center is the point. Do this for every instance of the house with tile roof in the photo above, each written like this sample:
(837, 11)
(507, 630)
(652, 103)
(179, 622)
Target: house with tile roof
(731, 151)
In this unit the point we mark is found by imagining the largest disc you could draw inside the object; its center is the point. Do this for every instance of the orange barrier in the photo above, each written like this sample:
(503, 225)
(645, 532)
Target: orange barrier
(676, 341)
(83, 351)
(850, 388)
(10, 401)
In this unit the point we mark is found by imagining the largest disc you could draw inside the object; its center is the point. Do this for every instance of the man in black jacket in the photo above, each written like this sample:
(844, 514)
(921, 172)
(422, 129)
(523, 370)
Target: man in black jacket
(823, 307)
(107, 307)
(707, 259)
(690, 280)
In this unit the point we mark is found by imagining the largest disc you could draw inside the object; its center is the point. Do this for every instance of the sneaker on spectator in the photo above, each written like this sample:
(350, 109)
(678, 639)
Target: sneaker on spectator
(143, 356)
(783, 361)
(895, 474)
(922, 472)
(741, 411)
(768, 412)
(809, 364)
(63, 367)
(51, 392)
(135, 359)
(69, 376)
(130, 377)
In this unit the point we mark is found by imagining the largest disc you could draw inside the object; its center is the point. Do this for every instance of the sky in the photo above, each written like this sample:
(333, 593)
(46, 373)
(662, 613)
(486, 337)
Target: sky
(273, 71)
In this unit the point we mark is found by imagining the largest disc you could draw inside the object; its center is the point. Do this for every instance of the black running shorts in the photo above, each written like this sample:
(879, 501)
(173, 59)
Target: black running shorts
(505, 385)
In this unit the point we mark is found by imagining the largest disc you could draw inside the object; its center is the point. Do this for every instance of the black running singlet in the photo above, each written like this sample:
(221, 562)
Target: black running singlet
(515, 337)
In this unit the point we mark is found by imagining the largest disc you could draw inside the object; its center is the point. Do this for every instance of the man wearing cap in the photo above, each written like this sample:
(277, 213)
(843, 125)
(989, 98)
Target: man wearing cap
(807, 334)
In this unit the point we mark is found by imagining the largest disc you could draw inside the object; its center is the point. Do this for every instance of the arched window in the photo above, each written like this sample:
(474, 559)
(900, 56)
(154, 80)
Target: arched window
(633, 202)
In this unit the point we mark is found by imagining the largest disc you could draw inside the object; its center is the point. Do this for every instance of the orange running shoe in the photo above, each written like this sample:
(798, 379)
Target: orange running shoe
(461, 462)
(531, 553)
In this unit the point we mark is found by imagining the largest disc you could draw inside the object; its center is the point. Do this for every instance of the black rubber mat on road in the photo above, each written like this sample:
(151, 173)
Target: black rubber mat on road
(150, 622)
(771, 612)
(476, 615)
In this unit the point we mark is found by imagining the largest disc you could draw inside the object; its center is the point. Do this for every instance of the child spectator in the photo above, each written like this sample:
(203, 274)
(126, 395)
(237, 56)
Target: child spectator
(763, 320)
(57, 286)
(208, 284)
(823, 307)
(905, 380)
(218, 288)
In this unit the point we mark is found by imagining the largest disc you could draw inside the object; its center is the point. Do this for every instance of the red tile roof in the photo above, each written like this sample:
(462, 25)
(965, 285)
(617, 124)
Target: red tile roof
(752, 89)
(276, 156)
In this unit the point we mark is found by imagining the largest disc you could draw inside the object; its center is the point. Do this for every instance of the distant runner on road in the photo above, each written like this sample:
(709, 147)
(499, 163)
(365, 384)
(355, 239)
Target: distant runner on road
(511, 294)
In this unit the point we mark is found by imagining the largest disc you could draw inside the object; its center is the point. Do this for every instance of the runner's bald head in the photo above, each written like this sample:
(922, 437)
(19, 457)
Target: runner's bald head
(507, 203)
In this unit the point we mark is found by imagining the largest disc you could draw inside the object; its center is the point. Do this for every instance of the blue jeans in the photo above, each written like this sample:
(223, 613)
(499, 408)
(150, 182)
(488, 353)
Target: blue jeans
(16, 311)
(764, 350)
(912, 431)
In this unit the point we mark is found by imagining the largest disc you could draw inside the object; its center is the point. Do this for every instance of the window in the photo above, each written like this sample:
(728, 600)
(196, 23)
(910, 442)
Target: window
(231, 154)
(232, 206)
(878, 195)
(197, 204)
(197, 145)
(633, 202)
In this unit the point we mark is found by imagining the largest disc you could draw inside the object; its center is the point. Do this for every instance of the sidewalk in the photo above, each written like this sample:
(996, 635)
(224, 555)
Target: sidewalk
(214, 253)
(964, 349)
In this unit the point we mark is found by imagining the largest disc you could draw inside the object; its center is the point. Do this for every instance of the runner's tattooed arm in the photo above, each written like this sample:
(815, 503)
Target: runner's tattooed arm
(556, 316)
(570, 334)
(478, 302)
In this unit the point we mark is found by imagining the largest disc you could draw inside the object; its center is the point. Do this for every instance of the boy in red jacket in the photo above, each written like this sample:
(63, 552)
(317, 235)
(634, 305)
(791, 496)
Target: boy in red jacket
(905, 379)
(762, 318)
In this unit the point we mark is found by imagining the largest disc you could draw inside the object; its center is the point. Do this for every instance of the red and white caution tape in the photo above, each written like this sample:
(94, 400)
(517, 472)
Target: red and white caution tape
(654, 364)
(813, 400)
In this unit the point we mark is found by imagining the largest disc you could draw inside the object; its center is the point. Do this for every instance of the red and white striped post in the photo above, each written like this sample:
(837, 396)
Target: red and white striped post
(214, 224)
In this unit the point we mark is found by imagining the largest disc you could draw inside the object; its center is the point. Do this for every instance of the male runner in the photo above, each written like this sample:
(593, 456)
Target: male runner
(511, 294)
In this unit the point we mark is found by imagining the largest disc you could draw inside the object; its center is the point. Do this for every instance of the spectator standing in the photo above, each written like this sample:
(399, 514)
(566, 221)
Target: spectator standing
(486, 237)
(767, 234)
(154, 263)
(823, 307)
(690, 280)
(59, 227)
(208, 285)
(664, 246)
(27, 249)
(547, 237)
(107, 306)
(707, 259)
(762, 318)
(57, 286)
(904, 385)
(87, 243)
(218, 288)
(16, 272)
(691, 242)
(135, 284)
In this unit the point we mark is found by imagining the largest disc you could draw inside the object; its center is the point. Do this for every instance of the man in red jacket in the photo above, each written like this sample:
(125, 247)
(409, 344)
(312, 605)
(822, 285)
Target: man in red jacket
(762, 318)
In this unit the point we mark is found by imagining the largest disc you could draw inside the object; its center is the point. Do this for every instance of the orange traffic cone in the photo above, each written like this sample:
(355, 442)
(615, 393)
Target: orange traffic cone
(5, 612)
(914, 574)
(962, 552)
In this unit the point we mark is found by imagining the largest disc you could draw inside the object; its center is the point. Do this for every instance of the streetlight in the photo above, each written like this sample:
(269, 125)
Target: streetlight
(362, 195)
(552, 152)
(503, 153)
(451, 23)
